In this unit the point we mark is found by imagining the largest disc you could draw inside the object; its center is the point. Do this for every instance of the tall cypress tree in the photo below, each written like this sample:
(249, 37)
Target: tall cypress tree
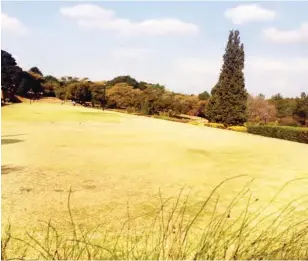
(228, 103)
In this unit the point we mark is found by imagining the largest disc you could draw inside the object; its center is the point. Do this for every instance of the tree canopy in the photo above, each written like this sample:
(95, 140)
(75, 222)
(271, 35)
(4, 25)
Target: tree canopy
(11, 73)
(228, 104)
(203, 96)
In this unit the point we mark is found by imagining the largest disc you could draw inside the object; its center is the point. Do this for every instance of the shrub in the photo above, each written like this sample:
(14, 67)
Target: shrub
(194, 123)
(281, 132)
(163, 117)
(289, 121)
(130, 110)
(215, 125)
(238, 128)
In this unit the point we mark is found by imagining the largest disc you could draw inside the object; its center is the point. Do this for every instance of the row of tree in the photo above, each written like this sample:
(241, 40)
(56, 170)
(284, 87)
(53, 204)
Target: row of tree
(229, 103)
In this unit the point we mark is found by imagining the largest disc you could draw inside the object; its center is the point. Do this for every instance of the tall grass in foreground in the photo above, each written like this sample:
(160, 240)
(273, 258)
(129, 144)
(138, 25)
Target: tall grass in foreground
(171, 232)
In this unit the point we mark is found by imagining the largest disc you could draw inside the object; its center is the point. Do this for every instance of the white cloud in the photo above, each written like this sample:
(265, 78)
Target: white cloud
(92, 16)
(263, 75)
(87, 11)
(294, 65)
(249, 13)
(299, 35)
(12, 25)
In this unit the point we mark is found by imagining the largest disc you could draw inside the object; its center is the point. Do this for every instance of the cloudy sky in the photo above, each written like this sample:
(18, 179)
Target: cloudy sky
(178, 44)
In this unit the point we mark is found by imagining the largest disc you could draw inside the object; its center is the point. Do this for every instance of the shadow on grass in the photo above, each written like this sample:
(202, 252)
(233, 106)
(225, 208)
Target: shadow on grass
(6, 169)
(14, 135)
(9, 141)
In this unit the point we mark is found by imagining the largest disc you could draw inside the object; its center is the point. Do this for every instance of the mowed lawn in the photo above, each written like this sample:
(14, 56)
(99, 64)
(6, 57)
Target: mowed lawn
(111, 160)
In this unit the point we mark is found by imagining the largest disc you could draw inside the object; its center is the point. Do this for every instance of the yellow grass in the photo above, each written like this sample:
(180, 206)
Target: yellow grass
(109, 159)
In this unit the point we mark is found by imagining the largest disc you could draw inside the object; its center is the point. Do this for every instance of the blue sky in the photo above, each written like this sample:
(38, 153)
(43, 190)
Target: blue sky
(178, 44)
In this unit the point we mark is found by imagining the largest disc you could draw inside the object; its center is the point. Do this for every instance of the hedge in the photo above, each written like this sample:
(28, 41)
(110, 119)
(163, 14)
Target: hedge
(215, 125)
(280, 132)
(238, 128)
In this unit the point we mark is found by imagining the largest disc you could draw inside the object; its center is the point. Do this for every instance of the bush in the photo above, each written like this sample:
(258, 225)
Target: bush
(194, 123)
(289, 121)
(238, 128)
(215, 125)
(281, 132)
(130, 110)
(163, 117)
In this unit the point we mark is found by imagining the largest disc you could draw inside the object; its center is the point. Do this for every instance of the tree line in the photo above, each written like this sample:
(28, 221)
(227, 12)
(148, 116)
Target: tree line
(228, 102)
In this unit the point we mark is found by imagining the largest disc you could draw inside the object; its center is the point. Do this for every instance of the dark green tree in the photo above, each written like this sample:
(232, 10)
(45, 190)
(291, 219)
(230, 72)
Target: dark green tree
(203, 96)
(11, 73)
(36, 71)
(98, 95)
(29, 81)
(50, 78)
(79, 92)
(301, 110)
(228, 103)
(124, 79)
(285, 106)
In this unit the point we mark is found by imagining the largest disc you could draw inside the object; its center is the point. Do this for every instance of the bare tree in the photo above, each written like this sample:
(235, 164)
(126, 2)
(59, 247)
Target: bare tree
(260, 110)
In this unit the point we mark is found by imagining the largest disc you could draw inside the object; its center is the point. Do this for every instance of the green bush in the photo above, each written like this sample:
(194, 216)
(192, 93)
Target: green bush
(238, 128)
(280, 132)
(194, 123)
(215, 125)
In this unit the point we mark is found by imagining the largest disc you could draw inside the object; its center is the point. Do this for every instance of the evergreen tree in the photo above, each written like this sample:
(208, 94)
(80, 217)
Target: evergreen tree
(228, 103)
(10, 73)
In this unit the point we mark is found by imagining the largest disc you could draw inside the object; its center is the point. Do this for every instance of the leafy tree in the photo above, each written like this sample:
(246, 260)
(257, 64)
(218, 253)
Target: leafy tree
(120, 96)
(50, 78)
(301, 110)
(11, 73)
(203, 96)
(36, 71)
(30, 81)
(98, 94)
(142, 85)
(158, 86)
(228, 104)
(124, 79)
(79, 92)
(285, 106)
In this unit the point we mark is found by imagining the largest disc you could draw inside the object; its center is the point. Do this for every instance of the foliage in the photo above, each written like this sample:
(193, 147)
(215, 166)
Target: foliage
(11, 73)
(36, 71)
(301, 110)
(285, 106)
(228, 103)
(215, 125)
(280, 132)
(165, 117)
(98, 94)
(79, 92)
(204, 96)
(195, 123)
(30, 82)
(124, 79)
(288, 121)
(238, 128)
(260, 110)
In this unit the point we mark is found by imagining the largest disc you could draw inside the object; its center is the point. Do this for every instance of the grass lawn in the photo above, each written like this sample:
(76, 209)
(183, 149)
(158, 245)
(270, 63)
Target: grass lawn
(109, 159)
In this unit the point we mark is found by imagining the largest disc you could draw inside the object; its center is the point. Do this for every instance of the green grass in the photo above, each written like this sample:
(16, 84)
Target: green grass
(109, 159)
(54, 112)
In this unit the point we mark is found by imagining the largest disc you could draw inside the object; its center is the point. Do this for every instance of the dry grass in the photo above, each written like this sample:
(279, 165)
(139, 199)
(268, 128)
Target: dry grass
(109, 159)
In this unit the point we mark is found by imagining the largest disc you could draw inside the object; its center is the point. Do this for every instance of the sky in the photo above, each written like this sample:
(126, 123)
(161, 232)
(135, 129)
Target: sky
(177, 44)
